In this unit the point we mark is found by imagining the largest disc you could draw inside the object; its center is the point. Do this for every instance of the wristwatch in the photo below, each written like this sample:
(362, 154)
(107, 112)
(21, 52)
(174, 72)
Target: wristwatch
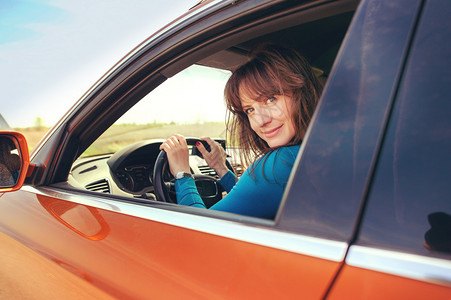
(181, 175)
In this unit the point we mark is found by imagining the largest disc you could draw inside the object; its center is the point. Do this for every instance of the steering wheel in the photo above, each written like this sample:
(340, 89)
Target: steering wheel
(163, 186)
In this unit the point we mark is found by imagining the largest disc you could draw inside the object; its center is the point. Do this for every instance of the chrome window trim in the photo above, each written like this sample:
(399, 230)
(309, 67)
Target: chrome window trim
(305, 245)
(423, 268)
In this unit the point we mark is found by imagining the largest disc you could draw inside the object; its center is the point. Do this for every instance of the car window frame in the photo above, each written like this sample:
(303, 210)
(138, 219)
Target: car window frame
(150, 66)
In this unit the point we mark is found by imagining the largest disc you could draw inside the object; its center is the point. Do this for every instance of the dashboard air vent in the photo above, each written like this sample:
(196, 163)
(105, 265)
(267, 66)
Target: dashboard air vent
(101, 186)
(206, 170)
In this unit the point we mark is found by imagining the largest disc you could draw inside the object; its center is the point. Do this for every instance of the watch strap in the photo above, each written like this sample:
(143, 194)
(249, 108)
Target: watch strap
(181, 175)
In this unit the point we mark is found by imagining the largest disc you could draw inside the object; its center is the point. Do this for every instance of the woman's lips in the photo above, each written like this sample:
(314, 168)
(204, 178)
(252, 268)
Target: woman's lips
(273, 132)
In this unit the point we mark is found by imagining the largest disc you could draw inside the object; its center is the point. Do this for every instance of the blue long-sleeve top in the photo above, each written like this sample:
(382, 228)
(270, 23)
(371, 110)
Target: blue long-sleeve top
(258, 192)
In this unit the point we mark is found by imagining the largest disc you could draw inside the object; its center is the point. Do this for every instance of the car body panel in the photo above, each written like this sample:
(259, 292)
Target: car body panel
(358, 283)
(151, 259)
(26, 274)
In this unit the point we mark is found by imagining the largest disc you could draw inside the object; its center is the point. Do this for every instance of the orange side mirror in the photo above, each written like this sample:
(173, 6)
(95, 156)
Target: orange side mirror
(14, 160)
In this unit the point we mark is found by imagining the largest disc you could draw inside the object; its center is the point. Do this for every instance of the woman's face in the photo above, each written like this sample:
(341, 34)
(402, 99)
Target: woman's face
(270, 119)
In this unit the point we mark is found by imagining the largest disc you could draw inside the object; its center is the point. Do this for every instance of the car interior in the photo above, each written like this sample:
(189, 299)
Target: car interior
(127, 168)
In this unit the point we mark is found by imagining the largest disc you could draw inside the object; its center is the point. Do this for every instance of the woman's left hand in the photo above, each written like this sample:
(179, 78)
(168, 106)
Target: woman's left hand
(178, 154)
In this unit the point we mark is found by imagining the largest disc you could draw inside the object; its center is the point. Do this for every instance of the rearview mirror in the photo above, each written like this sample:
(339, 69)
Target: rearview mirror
(14, 160)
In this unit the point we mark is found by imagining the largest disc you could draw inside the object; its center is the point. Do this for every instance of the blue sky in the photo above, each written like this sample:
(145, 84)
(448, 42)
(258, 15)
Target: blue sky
(52, 51)
(16, 16)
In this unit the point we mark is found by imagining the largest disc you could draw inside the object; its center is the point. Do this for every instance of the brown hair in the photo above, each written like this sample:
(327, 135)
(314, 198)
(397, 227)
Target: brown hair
(271, 70)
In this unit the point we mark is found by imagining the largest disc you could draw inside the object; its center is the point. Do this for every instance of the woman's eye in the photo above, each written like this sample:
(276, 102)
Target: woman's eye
(248, 111)
(271, 100)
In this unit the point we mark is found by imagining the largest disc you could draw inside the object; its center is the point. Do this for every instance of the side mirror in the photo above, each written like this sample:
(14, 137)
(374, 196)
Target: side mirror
(14, 160)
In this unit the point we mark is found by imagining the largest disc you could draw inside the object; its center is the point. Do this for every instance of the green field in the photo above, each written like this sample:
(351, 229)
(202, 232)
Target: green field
(121, 135)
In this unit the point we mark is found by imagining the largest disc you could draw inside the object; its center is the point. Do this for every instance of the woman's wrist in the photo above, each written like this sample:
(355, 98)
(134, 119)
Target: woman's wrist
(182, 169)
(222, 171)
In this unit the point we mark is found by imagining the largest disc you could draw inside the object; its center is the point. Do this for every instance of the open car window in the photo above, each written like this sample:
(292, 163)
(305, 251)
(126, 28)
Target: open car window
(122, 159)
(190, 103)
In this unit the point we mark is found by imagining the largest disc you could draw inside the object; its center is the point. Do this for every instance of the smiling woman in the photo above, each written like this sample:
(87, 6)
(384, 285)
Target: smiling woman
(276, 109)
(271, 99)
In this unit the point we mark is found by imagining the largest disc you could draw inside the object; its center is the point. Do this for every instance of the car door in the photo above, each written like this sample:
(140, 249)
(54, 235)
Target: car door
(403, 248)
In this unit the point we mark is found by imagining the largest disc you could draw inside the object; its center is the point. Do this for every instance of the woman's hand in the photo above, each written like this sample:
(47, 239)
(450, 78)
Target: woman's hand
(216, 158)
(178, 154)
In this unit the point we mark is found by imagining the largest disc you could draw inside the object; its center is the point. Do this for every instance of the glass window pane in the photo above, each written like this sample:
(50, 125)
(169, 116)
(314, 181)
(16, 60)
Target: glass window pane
(410, 203)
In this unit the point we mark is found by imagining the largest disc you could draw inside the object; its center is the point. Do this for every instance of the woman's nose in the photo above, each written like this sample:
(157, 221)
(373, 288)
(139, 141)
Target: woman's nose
(263, 116)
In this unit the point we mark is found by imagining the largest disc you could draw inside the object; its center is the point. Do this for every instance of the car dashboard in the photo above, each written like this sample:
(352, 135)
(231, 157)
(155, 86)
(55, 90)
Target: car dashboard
(129, 171)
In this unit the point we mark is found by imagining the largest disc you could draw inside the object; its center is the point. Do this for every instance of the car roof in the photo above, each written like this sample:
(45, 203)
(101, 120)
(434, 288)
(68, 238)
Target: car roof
(318, 40)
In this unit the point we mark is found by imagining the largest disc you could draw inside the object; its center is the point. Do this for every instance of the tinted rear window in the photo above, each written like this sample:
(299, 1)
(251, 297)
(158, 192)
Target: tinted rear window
(410, 203)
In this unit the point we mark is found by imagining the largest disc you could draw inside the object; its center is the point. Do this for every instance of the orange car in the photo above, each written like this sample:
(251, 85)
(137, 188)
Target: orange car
(366, 213)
